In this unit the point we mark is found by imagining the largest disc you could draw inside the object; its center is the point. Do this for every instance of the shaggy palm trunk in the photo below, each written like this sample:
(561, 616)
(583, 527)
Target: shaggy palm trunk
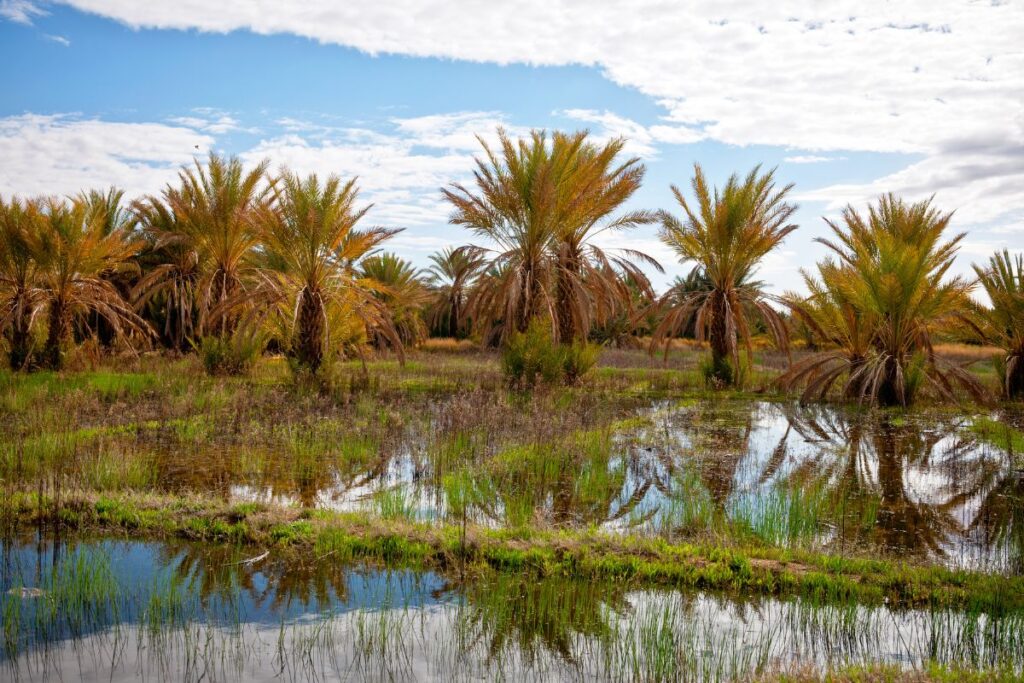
(454, 326)
(224, 286)
(889, 392)
(53, 357)
(722, 370)
(20, 347)
(1015, 376)
(567, 328)
(19, 337)
(310, 330)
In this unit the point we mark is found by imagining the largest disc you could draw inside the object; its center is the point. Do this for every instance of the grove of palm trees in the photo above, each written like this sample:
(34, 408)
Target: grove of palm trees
(245, 260)
(550, 466)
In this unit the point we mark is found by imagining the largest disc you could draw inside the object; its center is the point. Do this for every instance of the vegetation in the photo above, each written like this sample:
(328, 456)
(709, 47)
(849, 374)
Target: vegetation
(882, 302)
(312, 283)
(1002, 323)
(726, 234)
(450, 277)
(541, 202)
(234, 262)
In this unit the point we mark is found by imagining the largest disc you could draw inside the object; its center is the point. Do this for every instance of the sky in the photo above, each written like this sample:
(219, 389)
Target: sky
(847, 99)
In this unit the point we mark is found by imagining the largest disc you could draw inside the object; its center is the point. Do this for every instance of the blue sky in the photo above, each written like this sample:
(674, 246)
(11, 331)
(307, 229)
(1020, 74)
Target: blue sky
(846, 99)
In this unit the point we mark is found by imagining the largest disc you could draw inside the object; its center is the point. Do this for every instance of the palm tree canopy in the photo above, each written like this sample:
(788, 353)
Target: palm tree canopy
(311, 248)
(215, 208)
(881, 302)
(725, 233)
(1002, 323)
(540, 202)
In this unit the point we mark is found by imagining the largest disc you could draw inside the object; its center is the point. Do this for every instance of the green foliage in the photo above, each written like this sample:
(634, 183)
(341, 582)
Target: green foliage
(877, 305)
(725, 233)
(532, 357)
(1002, 323)
(232, 354)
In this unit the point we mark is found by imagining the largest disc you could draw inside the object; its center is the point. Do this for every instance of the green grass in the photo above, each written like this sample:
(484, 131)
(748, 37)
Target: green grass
(999, 434)
(581, 554)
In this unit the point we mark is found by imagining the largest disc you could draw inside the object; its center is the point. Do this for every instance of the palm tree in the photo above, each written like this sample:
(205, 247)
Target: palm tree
(402, 293)
(20, 221)
(451, 275)
(109, 208)
(887, 286)
(1003, 323)
(215, 209)
(726, 234)
(75, 258)
(590, 282)
(838, 324)
(312, 244)
(541, 204)
(172, 269)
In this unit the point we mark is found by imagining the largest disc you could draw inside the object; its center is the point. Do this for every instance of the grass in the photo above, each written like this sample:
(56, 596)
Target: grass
(1000, 435)
(584, 554)
(638, 477)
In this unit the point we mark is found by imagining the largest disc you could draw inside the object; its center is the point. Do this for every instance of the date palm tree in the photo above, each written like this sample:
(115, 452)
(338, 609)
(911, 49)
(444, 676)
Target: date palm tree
(835, 322)
(75, 257)
(540, 202)
(1002, 324)
(20, 221)
(403, 294)
(451, 276)
(110, 208)
(312, 246)
(726, 233)
(215, 208)
(887, 285)
(171, 273)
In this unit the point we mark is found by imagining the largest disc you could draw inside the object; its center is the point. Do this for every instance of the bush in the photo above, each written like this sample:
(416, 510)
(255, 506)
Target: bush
(233, 354)
(532, 358)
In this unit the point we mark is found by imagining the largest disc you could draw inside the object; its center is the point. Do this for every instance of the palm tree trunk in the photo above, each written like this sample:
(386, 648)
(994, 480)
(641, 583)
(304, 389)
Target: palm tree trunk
(20, 348)
(888, 391)
(310, 330)
(1015, 376)
(454, 326)
(57, 333)
(19, 339)
(722, 370)
(567, 332)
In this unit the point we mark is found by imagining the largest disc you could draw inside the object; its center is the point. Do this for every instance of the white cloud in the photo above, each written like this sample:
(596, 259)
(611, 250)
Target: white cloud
(64, 154)
(640, 140)
(20, 11)
(211, 120)
(810, 159)
(60, 40)
(400, 168)
(911, 77)
(983, 181)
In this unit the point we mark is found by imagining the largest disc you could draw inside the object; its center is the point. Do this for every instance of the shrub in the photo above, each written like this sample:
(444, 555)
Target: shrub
(532, 358)
(232, 354)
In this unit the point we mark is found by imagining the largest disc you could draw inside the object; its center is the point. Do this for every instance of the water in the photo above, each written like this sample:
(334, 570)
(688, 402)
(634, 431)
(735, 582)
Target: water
(116, 610)
(920, 485)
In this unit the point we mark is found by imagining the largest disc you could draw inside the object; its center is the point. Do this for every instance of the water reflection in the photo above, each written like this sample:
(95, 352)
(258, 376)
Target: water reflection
(181, 612)
(917, 484)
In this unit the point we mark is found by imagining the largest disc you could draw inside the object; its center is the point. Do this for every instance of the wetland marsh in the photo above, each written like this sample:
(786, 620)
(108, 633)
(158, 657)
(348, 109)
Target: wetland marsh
(426, 523)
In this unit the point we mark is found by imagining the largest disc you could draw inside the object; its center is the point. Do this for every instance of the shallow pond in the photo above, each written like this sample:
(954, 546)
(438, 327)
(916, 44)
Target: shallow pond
(116, 610)
(919, 485)
(927, 485)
